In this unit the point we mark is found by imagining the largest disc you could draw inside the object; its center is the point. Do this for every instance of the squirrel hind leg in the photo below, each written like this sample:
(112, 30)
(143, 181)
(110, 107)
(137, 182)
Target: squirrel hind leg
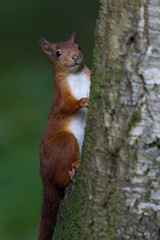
(67, 150)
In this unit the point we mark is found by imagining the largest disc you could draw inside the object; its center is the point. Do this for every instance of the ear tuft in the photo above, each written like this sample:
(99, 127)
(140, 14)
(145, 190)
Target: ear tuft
(46, 46)
(73, 36)
(41, 40)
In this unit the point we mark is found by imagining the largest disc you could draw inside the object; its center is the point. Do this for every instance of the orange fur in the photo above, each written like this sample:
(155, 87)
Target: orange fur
(59, 151)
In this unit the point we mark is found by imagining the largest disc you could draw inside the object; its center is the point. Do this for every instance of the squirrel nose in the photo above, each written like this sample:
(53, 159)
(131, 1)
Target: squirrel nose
(75, 57)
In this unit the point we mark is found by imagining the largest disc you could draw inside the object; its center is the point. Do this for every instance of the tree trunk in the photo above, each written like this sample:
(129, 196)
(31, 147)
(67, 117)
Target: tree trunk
(116, 191)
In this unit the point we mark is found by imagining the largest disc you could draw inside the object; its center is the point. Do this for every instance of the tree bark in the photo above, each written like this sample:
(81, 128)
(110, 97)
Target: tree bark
(116, 191)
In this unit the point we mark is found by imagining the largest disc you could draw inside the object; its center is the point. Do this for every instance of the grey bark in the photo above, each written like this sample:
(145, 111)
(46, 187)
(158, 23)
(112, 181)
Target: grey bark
(116, 193)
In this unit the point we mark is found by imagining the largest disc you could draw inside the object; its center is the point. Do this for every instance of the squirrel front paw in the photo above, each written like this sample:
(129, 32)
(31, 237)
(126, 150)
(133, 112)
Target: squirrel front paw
(84, 102)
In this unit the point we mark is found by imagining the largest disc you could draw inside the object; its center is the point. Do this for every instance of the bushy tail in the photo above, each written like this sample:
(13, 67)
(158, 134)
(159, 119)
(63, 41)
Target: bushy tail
(52, 195)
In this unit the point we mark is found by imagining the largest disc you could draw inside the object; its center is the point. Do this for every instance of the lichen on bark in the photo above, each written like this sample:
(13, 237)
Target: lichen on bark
(115, 194)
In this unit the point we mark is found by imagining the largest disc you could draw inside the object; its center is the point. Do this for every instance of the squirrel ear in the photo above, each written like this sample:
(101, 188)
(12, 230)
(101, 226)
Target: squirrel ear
(73, 36)
(46, 46)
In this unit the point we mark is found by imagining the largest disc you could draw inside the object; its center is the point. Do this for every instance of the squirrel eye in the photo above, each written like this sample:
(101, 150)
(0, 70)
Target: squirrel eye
(58, 53)
(79, 48)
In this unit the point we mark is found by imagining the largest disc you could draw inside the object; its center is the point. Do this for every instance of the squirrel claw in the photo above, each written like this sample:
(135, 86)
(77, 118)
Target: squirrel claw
(71, 173)
(76, 164)
(86, 105)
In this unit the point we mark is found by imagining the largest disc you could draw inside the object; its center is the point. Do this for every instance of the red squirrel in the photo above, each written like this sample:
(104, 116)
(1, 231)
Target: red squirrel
(62, 139)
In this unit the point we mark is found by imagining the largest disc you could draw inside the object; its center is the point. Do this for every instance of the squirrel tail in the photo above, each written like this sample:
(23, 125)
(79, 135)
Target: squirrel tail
(52, 195)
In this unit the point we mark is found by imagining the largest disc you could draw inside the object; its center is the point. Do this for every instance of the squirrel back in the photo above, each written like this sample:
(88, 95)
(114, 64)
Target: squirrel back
(63, 135)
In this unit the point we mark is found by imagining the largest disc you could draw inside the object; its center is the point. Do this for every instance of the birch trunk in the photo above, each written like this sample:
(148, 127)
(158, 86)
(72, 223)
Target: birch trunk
(116, 191)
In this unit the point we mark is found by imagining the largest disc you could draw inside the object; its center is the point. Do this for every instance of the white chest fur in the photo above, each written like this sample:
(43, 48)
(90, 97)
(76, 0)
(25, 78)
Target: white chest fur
(80, 86)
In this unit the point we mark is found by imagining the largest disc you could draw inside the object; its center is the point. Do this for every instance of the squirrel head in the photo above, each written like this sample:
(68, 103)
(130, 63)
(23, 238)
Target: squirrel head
(66, 57)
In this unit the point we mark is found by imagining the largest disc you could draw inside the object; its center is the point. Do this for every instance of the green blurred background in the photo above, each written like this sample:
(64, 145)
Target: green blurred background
(26, 88)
